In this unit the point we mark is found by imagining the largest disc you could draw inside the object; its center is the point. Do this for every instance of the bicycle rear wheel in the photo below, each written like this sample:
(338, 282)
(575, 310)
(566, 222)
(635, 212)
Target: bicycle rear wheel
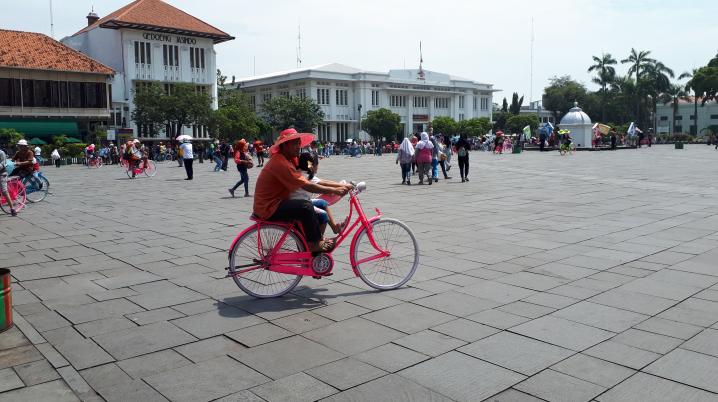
(35, 189)
(246, 254)
(151, 169)
(17, 191)
(394, 270)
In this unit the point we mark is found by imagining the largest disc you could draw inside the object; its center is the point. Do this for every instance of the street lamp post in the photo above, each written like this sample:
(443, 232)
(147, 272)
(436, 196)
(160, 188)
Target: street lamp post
(359, 107)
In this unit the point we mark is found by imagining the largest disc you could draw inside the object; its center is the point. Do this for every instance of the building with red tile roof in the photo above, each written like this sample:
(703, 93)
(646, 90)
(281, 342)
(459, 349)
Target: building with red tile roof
(151, 40)
(47, 88)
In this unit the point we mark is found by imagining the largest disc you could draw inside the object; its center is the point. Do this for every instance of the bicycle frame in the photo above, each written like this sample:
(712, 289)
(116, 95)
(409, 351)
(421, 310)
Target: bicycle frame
(300, 263)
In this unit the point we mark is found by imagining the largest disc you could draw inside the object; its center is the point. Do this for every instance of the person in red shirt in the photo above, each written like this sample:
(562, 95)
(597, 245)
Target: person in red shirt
(280, 178)
(259, 149)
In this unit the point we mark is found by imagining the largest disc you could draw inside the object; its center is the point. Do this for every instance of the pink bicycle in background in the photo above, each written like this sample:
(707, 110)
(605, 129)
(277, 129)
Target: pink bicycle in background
(268, 259)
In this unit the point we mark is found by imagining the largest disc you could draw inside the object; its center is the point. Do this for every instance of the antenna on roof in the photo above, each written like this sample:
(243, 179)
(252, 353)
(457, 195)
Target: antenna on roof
(52, 23)
(421, 63)
(299, 45)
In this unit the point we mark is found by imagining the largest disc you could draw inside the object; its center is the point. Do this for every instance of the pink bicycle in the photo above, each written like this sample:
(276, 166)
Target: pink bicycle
(268, 259)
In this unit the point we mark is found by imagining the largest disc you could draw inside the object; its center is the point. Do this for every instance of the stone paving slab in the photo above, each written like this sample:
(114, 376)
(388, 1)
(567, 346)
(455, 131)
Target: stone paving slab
(612, 296)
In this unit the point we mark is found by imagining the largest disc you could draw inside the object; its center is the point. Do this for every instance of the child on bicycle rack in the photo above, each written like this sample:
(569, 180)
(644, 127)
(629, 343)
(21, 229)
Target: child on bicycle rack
(309, 163)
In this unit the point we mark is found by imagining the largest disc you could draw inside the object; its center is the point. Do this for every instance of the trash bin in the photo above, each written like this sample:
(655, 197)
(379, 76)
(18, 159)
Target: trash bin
(679, 145)
(5, 300)
(517, 149)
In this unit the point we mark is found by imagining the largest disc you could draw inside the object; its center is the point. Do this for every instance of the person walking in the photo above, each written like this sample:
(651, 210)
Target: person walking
(55, 155)
(423, 157)
(434, 159)
(244, 161)
(259, 149)
(445, 156)
(613, 139)
(462, 152)
(38, 155)
(404, 157)
(217, 157)
(188, 156)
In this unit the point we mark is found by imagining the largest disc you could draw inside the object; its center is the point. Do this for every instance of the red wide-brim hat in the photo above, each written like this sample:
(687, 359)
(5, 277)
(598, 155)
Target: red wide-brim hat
(291, 134)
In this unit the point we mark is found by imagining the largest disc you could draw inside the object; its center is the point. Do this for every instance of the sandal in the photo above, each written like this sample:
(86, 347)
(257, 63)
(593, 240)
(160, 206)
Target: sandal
(340, 227)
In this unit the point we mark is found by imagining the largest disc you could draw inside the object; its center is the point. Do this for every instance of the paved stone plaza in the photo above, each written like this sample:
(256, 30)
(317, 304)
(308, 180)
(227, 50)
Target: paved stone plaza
(578, 278)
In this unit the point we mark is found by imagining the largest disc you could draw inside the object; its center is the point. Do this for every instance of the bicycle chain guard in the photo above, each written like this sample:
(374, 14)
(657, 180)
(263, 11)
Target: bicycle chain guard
(322, 264)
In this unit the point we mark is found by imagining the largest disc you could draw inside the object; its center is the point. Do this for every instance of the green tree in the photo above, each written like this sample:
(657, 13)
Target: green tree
(516, 103)
(561, 93)
(185, 105)
(444, 125)
(382, 123)
(505, 106)
(475, 127)
(638, 61)
(500, 120)
(605, 74)
(301, 113)
(221, 79)
(515, 124)
(9, 137)
(656, 80)
(235, 117)
(149, 111)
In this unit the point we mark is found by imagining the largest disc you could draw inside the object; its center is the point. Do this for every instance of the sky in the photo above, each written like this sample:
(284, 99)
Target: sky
(486, 41)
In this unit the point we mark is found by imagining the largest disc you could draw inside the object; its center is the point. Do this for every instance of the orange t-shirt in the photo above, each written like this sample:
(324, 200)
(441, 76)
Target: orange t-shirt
(276, 181)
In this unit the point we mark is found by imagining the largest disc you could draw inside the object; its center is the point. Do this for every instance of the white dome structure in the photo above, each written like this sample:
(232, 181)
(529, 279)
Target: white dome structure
(580, 125)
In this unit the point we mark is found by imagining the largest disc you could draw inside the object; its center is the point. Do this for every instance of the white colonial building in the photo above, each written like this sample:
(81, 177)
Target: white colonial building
(345, 94)
(150, 40)
(685, 118)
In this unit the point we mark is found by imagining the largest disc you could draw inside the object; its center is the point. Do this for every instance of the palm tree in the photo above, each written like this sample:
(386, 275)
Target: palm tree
(671, 95)
(656, 80)
(605, 75)
(638, 60)
(690, 88)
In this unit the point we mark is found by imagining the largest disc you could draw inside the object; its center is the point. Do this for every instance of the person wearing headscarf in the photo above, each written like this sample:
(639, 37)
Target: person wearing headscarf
(244, 162)
(445, 156)
(404, 157)
(424, 149)
(434, 159)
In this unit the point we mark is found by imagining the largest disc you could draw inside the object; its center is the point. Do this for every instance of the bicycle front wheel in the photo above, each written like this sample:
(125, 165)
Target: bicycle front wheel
(150, 169)
(245, 261)
(394, 270)
(16, 190)
(35, 189)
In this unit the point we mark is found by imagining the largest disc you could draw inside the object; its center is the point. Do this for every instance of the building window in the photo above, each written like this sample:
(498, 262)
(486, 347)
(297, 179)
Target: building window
(196, 57)
(664, 118)
(322, 96)
(461, 101)
(266, 97)
(441, 103)
(342, 99)
(397, 101)
(284, 94)
(301, 93)
(170, 55)
(679, 118)
(693, 117)
(484, 103)
(461, 117)
(374, 97)
(476, 103)
(421, 101)
(253, 101)
(713, 116)
(678, 129)
(143, 53)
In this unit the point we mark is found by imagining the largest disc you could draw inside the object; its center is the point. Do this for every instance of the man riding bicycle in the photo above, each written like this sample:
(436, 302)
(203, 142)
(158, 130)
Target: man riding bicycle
(279, 178)
(136, 155)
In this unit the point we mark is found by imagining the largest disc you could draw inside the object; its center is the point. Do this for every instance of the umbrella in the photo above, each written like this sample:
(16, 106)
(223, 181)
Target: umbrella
(184, 137)
(36, 141)
(72, 140)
